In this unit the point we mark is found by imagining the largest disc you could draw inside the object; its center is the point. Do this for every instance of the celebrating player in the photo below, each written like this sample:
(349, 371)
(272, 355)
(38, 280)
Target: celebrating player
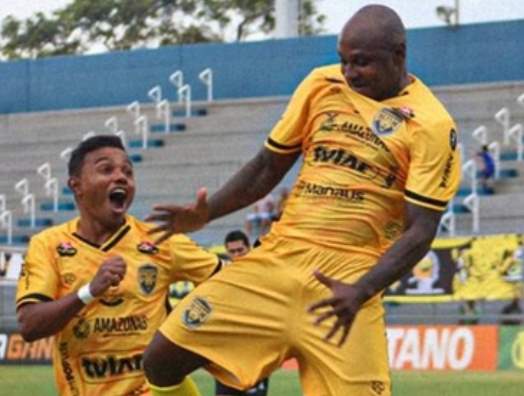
(98, 284)
(379, 167)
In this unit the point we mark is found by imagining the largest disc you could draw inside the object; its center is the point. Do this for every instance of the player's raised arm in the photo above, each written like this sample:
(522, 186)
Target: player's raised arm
(252, 182)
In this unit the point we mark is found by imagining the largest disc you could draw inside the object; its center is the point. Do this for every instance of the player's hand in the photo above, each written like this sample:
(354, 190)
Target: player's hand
(345, 303)
(110, 273)
(174, 219)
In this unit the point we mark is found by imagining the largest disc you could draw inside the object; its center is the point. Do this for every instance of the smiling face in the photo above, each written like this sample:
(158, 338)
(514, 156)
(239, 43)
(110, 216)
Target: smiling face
(104, 187)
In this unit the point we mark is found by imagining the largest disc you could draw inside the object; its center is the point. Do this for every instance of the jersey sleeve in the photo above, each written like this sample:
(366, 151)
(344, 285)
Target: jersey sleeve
(191, 262)
(289, 132)
(434, 169)
(39, 279)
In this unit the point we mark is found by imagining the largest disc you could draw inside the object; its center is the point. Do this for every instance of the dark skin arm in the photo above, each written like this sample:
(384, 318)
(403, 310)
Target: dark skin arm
(252, 182)
(43, 319)
(404, 254)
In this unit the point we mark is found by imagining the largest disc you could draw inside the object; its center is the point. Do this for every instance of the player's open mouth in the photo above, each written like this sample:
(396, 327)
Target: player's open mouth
(118, 198)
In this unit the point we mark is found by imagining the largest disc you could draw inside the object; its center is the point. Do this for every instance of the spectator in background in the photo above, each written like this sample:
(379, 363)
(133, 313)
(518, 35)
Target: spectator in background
(282, 199)
(237, 245)
(486, 165)
(259, 221)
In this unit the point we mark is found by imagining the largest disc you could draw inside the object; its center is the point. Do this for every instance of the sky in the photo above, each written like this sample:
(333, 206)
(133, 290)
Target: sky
(415, 13)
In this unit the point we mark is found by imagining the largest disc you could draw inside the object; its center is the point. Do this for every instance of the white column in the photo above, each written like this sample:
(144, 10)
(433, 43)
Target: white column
(287, 15)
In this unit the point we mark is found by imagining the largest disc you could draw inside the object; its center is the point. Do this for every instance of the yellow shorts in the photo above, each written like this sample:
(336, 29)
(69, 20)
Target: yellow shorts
(252, 316)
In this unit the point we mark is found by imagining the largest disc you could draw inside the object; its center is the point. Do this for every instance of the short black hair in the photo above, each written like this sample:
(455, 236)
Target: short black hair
(76, 161)
(236, 235)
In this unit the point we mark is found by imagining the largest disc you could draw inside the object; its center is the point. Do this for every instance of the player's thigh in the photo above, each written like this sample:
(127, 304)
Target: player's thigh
(238, 320)
(358, 368)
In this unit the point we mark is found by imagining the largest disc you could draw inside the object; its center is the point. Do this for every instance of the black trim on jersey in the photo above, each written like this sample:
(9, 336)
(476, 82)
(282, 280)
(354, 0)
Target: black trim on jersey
(277, 145)
(86, 241)
(424, 199)
(37, 296)
(167, 304)
(217, 268)
(117, 238)
(334, 80)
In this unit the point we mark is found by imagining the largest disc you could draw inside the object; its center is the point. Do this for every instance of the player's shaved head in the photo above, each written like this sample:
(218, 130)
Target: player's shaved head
(372, 50)
(377, 24)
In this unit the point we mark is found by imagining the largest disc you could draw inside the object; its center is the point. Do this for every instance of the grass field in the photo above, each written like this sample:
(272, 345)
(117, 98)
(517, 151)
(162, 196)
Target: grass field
(38, 381)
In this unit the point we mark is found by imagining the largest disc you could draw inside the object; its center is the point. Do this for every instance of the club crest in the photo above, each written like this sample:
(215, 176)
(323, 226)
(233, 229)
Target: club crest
(147, 276)
(196, 313)
(386, 121)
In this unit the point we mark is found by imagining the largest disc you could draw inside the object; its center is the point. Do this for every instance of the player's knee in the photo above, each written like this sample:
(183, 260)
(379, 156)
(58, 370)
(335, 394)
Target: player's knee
(167, 364)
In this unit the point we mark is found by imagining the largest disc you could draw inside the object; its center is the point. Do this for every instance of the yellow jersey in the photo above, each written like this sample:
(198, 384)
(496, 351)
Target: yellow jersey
(99, 352)
(362, 160)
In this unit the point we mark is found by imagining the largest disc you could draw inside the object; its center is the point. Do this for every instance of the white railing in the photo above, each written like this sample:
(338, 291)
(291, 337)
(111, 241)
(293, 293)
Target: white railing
(65, 154)
(516, 133)
(88, 135)
(112, 124)
(448, 221)
(163, 109)
(51, 184)
(503, 118)
(206, 76)
(6, 223)
(28, 200)
(472, 202)
(481, 134)
(142, 128)
(6, 219)
(133, 108)
(520, 99)
(184, 93)
(123, 137)
(177, 79)
(469, 169)
(494, 149)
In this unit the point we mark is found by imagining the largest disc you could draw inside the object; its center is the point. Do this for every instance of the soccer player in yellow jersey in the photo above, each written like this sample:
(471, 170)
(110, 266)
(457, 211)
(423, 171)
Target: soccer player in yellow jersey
(98, 284)
(379, 167)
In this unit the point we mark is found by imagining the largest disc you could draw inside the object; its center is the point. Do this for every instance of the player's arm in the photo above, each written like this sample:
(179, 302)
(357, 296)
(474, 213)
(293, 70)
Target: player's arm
(400, 258)
(251, 183)
(39, 319)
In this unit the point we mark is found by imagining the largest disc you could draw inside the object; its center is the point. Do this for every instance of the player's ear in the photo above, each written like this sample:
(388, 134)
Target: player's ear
(74, 184)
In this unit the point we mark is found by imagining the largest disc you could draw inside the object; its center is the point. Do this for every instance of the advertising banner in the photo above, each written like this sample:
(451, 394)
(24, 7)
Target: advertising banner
(442, 347)
(469, 268)
(14, 350)
(511, 348)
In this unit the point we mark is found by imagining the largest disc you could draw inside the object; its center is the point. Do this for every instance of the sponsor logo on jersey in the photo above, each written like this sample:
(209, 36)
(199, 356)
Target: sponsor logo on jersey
(82, 329)
(101, 368)
(67, 369)
(343, 158)
(446, 174)
(453, 139)
(354, 130)
(196, 313)
(65, 249)
(124, 324)
(386, 121)
(147, 247)
(147, 276)
(317, 190)
(69, 278)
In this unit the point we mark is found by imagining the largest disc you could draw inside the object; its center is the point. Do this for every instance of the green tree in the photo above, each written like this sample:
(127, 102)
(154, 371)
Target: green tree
(125, 24)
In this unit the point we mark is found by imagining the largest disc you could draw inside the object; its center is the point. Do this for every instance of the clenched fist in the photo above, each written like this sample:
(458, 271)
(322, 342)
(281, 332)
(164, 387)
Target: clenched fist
(110, 273)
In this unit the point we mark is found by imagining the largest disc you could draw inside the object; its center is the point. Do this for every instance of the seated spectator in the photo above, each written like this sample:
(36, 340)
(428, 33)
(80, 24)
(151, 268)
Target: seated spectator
(486, 165)
(259, 221)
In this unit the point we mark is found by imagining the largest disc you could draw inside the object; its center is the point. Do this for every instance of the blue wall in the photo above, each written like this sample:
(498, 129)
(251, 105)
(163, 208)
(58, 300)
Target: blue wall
(469, 54)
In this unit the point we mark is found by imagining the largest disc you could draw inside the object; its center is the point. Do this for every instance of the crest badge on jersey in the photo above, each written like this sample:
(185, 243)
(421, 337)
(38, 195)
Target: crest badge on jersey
(196, 313)
(147, 276)
(386, 121)
(66, 249)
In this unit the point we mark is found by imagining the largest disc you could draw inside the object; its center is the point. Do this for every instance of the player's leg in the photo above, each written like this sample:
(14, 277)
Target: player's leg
(168, 376)
(237, 321)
